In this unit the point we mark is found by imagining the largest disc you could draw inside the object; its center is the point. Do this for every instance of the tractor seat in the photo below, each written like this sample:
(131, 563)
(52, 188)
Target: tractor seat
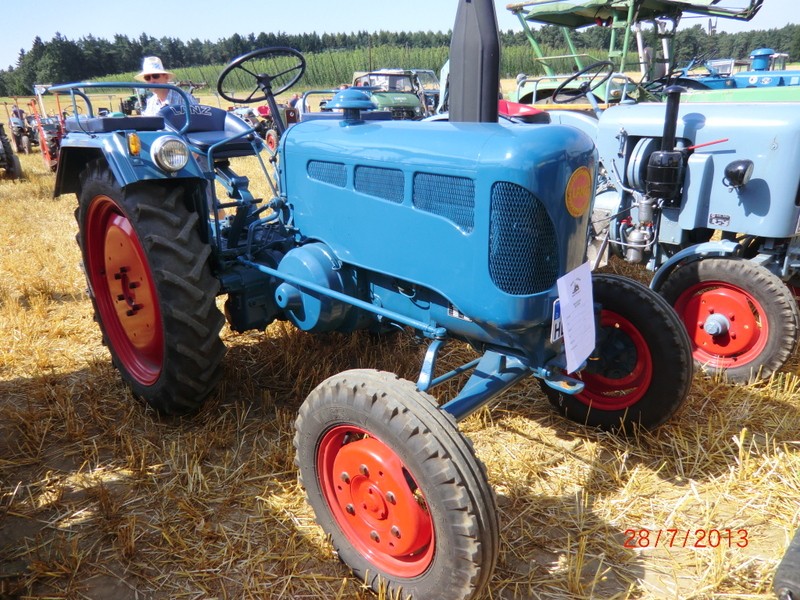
(209, 125)
(108, 124)
(523, 112)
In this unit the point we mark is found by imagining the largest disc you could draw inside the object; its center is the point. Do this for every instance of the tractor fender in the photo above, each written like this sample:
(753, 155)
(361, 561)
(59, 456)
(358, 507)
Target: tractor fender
(73, 159)
(721, 248)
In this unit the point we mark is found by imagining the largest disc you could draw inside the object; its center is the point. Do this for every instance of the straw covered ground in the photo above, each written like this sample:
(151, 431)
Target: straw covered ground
(100, 498)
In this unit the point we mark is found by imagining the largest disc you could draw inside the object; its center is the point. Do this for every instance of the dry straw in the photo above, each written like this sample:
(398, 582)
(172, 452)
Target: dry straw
(99, 498)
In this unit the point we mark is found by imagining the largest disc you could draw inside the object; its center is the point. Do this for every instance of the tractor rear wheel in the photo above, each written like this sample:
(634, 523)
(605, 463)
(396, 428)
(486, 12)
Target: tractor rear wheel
(786, 583)
(742, 320)
(641, 369)
(152, 289)
(14, 170)
(397, 487)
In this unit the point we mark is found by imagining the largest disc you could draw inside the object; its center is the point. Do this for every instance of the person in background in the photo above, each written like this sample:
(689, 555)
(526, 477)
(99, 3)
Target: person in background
(153, 72)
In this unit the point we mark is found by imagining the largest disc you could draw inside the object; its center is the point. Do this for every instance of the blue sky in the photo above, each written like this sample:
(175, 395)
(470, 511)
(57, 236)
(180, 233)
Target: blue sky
(203, 19)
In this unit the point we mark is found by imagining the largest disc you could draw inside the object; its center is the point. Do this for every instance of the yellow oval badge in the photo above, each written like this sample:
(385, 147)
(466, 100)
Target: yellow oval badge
(578, 196)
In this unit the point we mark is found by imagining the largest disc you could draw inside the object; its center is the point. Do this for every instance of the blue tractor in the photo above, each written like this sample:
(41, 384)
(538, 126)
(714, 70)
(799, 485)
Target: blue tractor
(463, 232)
(766, 72)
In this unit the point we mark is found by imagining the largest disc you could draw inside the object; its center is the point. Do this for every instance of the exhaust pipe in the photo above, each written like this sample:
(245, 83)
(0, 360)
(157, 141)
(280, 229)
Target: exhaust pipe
(665, 167)
(474, 63)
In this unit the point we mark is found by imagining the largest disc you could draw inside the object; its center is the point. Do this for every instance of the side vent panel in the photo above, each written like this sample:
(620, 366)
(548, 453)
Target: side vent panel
(388, 184)
(328, 172)
(450, 197)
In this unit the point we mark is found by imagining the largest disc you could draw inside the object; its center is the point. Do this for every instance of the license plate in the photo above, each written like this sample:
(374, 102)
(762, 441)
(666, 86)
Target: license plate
(556, 328)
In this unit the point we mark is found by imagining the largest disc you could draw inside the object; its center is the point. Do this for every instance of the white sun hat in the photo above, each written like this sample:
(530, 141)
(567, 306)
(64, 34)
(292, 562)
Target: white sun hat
(150, 66)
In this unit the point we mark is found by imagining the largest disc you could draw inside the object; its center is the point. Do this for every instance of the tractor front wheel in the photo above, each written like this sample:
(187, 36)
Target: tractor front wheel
(742, 320)
(641, 369)
(151, 285)
(397, 487)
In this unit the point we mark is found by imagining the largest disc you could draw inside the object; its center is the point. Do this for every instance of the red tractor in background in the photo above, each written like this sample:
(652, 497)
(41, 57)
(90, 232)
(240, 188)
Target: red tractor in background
(49, 129)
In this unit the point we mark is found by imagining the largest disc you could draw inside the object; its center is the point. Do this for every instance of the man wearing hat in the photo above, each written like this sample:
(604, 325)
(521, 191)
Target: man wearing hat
(153, 72)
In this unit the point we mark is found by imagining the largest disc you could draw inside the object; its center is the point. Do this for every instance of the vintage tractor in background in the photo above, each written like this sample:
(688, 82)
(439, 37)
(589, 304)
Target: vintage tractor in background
(627, 21)
(23, 132)
(765, 78)
(51, 130)
(260, 118)
(705, 195)
(478, 235)
(132, 105)
(48, 130)
(397, 90)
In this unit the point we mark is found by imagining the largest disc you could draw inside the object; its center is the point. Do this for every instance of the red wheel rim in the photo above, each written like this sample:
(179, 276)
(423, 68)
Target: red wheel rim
(272, 141)
(748, 329)
(369, 492)
(123, 288)
(617, 385)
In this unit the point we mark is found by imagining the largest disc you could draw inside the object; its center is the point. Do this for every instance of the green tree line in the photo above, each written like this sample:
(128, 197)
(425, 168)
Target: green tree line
(62, 60)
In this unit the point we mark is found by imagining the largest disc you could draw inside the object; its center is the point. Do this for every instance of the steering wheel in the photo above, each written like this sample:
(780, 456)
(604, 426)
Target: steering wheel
(71, 110)
(657, 86)
(596, 75)
(271, 70)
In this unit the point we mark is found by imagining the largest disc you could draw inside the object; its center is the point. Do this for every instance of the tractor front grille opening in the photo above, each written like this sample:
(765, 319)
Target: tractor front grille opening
(523, 250)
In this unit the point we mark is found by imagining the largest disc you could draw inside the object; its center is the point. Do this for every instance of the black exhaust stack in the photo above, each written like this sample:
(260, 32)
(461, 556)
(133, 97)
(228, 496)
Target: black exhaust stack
(665, 167)
(474, 63)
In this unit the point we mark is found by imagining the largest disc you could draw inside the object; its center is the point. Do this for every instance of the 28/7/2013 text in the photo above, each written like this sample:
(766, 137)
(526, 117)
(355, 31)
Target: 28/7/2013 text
(686, 538)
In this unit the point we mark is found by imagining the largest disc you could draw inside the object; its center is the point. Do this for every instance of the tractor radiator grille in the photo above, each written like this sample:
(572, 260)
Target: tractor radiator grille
(328, 172)
(523, 253)
(388, 184)
(450, 197)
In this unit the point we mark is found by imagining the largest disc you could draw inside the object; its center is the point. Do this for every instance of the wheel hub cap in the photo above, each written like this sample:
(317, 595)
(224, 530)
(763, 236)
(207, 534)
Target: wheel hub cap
(716, 324)
(724, 322)
(376, 501)
(367, 493)
(619, 373)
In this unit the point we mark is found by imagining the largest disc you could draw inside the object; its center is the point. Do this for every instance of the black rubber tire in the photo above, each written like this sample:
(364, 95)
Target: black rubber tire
(184, 369)
(665, 361)
(787, 577)
(457, 496)
(15, 170)
(752, 283)
(12, 168)
(25, 143)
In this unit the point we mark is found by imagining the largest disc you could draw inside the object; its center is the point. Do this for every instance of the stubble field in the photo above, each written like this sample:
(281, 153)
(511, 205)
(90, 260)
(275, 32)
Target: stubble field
(101, 498)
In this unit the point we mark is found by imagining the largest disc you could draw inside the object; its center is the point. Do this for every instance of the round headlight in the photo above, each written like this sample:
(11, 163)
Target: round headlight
(170, 153)
(738, 173)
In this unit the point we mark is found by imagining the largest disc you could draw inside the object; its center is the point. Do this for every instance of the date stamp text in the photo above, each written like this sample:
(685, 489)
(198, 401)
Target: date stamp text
(686, 538)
